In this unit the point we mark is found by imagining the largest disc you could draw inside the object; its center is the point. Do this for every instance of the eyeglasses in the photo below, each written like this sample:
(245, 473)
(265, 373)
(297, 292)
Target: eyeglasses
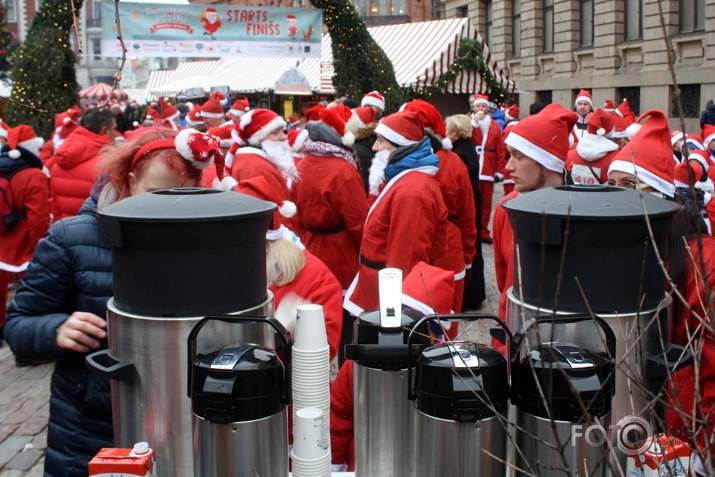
(627, 184)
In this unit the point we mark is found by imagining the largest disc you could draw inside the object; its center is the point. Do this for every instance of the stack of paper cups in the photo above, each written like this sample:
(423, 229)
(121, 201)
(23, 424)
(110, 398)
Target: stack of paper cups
(310, 455)
(311, 365)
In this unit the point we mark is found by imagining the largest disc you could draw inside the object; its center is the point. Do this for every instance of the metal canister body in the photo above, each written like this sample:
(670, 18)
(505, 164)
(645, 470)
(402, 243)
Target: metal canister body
(249, 448)
(548, 447)
(153, 406)
(446, 447)
(383, 423)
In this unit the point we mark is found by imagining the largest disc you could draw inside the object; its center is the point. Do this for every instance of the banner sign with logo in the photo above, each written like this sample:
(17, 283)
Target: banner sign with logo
(167, 30)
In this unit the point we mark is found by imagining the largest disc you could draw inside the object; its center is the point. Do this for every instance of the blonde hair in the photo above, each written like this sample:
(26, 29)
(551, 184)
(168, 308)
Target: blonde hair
(288, 259)
(461, 124)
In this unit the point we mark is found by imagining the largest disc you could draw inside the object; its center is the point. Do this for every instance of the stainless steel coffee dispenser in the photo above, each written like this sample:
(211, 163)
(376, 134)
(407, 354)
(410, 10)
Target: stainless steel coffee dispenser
(239, 394)
(178, 255)
(461, 394)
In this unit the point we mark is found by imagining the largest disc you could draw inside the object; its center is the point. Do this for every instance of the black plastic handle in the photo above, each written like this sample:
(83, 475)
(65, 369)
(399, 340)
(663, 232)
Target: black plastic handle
(106, 364)
(674, 358)
(461, 317)
(234, 319)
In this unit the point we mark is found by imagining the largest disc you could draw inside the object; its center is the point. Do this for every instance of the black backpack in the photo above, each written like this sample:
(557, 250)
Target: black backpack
(9, 216)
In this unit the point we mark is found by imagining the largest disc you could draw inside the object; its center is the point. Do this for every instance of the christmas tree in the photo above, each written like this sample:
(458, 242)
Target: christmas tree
(7, 44)
(43, 73)
(360, 64)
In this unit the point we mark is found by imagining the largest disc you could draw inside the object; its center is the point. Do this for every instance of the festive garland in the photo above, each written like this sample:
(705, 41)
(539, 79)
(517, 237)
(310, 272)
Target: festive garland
(469, 57)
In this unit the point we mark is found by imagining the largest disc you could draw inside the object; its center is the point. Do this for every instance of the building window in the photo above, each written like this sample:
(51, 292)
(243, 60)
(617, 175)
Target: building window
(634, 19)
(586, 23)
(545, 96)
(379, 7)
(397, 7)
(463, 12)
(11, 15)
(548, 25)
(692, 15)
(690, 95)
(96, 49)
(516, 28)
(488, 31)
(633, 95)
(360, 7)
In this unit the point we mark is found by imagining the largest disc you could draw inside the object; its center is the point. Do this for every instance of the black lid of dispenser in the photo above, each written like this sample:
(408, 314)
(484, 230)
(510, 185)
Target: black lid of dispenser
(376, 346)
(237, 383)
(461, 381)
(567, 375)
(576, 240)
(187, 251)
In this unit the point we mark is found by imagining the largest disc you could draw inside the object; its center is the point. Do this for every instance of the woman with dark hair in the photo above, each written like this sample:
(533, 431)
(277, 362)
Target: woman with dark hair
(57, 311)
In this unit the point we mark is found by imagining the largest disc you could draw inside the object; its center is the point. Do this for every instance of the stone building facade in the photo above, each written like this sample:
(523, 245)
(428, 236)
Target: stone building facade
(616, 48)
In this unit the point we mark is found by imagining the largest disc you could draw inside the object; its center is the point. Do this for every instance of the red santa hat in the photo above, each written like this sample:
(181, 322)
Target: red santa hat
(693, 141)
(702, 157)
(213, 108)
(343, 120)
(624, 109)
(544, 137)
(512, 112)
(256, 125)
(4, 129)
(168, 111)
(366, 115)
(23, 136)
(313, 113)
(609, 106)
(194, 116)
(75, 112)
(480, 99)
(240, 107)
(429, 115)
(260, 188)
(601, 123)
(291, 17)
(649, 155)
(199, 149)
(223, 134)
(297, 138)
(621, 125)
(584, 95)
(373, 98)
(708, 134)
(428, 289)
(402, 129)
(689, 172)
(152, 115)
(676, 136)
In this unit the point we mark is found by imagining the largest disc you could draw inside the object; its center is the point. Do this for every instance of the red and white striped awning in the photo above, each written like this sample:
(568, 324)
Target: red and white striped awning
(420, 53)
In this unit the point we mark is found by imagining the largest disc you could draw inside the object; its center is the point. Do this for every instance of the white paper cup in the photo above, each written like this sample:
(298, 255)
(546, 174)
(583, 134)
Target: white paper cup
(309, 441)
(310, 331)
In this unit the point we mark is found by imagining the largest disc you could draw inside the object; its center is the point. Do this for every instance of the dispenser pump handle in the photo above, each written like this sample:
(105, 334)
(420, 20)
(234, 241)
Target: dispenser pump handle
(390, 289)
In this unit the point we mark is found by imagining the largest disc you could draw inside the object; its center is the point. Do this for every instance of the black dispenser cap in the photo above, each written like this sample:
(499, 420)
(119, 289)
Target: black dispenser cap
(461, 381)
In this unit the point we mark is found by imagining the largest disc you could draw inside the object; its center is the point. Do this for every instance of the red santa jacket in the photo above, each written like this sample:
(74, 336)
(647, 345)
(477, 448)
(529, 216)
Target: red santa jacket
(494, 152)
(332, 207)
(689, 331)
(30, 196)
(342, 422)
(316, 283)
(503, 252)
(588, 162)
(458, 195)
(252, 162)
(74, 171)
(406, 224)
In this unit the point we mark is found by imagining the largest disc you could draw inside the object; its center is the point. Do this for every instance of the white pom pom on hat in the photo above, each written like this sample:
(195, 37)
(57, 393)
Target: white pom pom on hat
(288, 209)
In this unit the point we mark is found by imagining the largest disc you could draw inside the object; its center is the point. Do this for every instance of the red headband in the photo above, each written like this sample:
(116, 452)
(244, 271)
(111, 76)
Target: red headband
(157, 145)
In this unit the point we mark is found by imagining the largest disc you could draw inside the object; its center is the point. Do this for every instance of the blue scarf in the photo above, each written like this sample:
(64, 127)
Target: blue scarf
(411, 157)
(26, 159)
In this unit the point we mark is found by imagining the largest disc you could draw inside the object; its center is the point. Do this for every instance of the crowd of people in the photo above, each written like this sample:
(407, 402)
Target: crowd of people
(357, 191)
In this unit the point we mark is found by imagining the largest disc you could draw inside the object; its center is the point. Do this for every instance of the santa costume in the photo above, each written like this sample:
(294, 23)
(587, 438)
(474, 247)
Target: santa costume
(407, 223)
(458, 195)
(588, 162)
(331, 193)
(487, 139)
(581, 125)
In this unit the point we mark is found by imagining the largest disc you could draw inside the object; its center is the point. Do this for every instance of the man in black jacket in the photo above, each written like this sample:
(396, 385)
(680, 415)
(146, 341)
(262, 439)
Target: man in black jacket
(708, 115)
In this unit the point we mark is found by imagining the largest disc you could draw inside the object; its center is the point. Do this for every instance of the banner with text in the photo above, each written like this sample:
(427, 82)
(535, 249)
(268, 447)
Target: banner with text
(167, 30)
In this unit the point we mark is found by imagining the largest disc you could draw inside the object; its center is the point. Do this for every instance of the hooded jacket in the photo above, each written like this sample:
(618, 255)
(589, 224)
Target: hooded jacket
(74, 170)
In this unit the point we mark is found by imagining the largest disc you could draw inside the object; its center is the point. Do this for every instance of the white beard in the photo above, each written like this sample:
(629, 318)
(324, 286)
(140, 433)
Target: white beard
(280, 155)
(377, 171)
(485, 123)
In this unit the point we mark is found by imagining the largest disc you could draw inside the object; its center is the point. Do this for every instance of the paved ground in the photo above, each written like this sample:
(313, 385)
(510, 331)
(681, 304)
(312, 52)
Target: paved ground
(25, 393)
